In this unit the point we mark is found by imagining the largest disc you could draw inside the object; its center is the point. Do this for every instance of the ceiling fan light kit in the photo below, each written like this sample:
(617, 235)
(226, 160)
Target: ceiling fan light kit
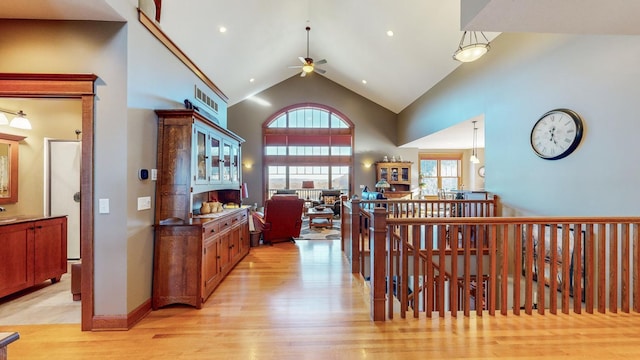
(474, 49)
(308, 66)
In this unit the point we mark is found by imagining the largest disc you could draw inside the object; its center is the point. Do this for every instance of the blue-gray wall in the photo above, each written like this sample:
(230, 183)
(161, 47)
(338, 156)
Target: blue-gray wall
(524, 76)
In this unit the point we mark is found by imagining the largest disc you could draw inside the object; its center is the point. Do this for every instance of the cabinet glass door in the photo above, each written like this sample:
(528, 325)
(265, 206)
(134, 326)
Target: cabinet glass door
(201, 174)
(394, 174)
(383, 174)
(405, 174)
(214, 155)
(235, 166)
(226, 164)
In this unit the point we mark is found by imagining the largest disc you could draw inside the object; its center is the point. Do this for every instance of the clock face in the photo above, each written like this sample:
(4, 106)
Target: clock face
(557, 134)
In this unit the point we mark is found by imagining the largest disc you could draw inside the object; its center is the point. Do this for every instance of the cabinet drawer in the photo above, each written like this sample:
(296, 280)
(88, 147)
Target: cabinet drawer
(241, 217)
(210, 229)
(226, 223)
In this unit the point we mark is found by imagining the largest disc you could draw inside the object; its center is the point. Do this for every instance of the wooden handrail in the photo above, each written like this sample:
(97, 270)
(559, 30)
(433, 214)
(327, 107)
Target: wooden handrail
(596, 261)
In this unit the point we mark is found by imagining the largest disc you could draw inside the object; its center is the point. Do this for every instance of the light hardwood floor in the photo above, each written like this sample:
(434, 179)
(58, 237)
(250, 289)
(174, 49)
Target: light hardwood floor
(299, 301)
(45, 303)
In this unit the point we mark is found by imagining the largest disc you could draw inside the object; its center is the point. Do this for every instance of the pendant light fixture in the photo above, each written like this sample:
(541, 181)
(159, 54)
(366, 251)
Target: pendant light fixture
(18, 122)
(474, 151)
(470, 48)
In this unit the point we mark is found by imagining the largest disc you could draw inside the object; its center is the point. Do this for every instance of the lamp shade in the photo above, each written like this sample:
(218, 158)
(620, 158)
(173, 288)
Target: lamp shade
(307, 185)
(470, 47)
(3, 119)
(383, 184)
(244, 191)
(21, 121)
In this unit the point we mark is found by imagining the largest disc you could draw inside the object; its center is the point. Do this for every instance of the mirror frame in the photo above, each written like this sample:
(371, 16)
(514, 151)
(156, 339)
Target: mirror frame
(12, 141)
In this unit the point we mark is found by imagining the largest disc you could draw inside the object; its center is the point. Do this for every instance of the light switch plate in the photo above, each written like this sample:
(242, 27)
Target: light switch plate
(144, 203)
(103, 206)
(154, 174)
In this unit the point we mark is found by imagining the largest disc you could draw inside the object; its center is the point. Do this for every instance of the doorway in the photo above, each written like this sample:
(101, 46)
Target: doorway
(69, 86)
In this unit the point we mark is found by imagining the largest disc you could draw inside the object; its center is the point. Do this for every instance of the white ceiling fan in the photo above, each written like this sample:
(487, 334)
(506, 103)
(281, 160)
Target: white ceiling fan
(308, 65)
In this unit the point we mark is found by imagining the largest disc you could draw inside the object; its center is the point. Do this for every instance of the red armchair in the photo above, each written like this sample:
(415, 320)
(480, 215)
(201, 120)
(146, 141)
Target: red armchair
(282, 219)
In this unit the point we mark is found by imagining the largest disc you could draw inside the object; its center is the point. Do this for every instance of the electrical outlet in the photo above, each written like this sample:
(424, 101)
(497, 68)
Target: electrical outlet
(361, 186)
(154, 174)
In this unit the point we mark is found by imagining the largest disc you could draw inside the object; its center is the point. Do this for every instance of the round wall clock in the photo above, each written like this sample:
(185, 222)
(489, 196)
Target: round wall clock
(556, 134)
(481, 171)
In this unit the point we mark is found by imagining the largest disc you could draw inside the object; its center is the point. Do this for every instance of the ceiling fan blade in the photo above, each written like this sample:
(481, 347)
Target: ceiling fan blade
(320, 62)
(303, 74)
(319, 70)
(303, 60)
(295, 67)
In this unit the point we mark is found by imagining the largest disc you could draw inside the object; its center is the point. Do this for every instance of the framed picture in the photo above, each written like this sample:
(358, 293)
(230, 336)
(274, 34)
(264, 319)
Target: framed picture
(545, 273)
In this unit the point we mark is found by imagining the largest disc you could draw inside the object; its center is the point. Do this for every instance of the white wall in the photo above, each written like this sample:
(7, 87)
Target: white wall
(524, 76)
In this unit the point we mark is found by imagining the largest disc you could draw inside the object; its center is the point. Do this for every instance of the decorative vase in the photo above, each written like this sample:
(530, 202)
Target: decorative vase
(205, 208)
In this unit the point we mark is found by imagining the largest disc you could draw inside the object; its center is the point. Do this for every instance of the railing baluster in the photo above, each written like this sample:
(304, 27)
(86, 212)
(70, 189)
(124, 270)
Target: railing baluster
(429, 275)
(528, 269)
(566, 264)
(477, 231)
(517, 258)
(553, 272)
(504, 266)
(636, 267)
(613, 268)
(417, 260)
(540, 263)
(602, 282)
(624, 269)
(493, 262)
(590, 275)
(453, 281)
(578, 276)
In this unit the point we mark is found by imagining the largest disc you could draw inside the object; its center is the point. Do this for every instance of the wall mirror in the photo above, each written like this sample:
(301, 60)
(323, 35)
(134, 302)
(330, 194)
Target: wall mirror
(9, 168)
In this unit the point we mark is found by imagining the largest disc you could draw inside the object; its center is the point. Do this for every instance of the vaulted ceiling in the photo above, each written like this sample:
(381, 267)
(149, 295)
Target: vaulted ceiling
(263, 38)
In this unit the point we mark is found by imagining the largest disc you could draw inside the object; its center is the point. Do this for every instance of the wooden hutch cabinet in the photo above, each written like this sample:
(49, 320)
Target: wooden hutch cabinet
(198, 161)
(398, 175)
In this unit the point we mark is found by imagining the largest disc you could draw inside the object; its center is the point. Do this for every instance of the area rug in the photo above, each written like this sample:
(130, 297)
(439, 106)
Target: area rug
(320, 233)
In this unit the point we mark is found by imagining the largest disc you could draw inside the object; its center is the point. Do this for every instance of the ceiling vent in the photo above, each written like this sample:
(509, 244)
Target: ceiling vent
(206, 100)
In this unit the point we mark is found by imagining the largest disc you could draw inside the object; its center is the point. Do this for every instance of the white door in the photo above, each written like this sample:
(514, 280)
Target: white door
(64, 188)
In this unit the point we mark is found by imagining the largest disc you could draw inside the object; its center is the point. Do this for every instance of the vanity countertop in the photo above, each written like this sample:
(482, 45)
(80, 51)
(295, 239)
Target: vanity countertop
(16, 219)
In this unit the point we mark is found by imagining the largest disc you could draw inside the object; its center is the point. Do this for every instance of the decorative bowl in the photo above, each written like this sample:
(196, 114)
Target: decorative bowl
(319, 207)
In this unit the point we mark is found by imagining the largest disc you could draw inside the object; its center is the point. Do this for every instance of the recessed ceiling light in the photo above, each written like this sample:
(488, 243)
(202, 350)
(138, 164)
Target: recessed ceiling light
(223, 29)
(364, 81)
(252, 80)
(389, 33)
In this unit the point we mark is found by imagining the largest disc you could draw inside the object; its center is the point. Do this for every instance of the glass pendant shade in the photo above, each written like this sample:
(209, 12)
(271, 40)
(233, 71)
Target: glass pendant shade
(21, 121)
(473, 50)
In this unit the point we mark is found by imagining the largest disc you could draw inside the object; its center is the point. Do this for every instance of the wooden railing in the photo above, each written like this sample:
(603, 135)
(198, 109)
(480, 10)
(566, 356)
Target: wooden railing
(355, 220)
(594, 266)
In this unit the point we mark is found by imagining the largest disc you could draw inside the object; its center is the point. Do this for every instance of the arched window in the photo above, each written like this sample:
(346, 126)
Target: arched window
(308, 148)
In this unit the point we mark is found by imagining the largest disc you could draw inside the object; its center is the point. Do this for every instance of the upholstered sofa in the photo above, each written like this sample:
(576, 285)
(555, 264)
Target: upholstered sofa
(371, 195)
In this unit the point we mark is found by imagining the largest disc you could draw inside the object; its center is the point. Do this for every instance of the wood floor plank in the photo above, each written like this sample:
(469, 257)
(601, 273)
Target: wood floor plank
(300, 301)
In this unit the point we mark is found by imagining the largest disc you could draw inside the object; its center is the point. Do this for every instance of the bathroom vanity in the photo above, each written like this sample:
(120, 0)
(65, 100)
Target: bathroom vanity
(33, 249)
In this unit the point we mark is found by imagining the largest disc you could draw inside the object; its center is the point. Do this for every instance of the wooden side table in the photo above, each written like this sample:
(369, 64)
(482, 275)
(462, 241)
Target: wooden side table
(320, 218)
